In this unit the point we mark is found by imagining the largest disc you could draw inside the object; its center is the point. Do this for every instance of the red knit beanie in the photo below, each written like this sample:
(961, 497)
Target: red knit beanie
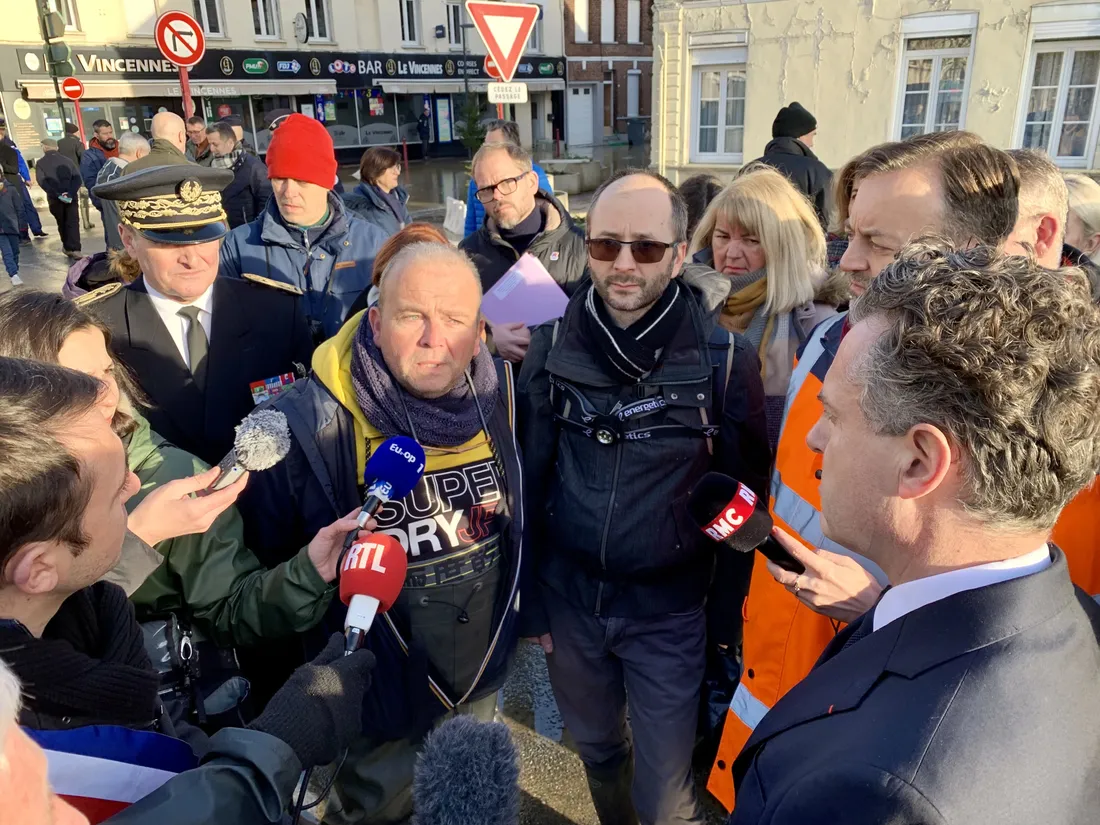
(301, 149)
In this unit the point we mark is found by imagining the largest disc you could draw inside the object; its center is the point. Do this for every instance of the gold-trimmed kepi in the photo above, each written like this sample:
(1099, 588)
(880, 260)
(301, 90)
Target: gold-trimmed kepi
(172, 204)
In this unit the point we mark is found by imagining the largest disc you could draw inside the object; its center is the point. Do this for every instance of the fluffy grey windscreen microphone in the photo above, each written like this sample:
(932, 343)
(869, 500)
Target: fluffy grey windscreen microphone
(262, 440)
(467, 774)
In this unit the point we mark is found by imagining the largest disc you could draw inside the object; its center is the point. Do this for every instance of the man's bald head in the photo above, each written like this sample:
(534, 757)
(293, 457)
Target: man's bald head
(645, 183)
(447, 259)
(170, 127)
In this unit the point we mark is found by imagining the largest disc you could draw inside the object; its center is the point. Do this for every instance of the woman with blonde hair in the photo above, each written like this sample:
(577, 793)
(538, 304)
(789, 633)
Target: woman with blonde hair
(1083, 224)
(763, 235)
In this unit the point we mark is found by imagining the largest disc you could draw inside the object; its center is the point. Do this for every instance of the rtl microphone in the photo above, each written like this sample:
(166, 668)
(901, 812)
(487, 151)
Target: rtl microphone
(371, 578)
(730, 513)
(467, 774)
(262, 441)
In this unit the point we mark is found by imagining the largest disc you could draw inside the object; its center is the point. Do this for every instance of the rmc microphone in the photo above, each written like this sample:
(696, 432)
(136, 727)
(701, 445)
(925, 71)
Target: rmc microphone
(262, 441)
(729, 512)
(371, 578)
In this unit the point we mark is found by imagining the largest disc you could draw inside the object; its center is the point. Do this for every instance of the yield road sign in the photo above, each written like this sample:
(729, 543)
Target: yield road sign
(505, 28)
(491, 68)
(507, 92)
(180, 39)
(72, 88)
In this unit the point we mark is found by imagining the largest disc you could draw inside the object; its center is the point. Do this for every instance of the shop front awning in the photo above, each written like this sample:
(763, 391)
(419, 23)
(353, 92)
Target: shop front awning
(406, 87)
(114, 89)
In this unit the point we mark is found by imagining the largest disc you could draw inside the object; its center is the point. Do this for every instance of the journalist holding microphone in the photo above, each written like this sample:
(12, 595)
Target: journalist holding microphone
(628, 401)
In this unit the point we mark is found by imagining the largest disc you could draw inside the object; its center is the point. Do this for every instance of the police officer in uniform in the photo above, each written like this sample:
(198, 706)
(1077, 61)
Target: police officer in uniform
(204, 349)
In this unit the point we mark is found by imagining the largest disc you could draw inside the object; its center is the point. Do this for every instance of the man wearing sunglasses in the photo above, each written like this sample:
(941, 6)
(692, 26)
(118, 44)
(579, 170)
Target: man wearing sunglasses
(626, 402)
(519, 218)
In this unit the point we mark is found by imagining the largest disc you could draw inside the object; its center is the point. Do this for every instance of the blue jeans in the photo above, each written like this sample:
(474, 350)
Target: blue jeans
(9, 250)
(658, 662)
(30, 214)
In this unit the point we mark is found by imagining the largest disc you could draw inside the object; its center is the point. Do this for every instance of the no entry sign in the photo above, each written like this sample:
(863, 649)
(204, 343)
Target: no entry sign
(72, 88)
(180, 39)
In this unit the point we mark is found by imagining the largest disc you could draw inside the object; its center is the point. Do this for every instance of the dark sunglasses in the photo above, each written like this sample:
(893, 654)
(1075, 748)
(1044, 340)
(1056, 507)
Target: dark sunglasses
(643, 252)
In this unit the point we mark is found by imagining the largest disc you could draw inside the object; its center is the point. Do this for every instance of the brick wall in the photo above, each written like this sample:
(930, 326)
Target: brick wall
(620, 48)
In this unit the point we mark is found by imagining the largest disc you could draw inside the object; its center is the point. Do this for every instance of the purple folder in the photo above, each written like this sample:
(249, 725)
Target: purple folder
(526, 293)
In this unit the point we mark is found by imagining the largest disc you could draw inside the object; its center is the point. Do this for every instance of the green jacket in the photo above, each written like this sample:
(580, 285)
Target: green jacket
(211, 578)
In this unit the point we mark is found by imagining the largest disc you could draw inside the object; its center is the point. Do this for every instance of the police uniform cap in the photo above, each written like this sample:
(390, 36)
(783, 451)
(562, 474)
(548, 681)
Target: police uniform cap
(173, 204)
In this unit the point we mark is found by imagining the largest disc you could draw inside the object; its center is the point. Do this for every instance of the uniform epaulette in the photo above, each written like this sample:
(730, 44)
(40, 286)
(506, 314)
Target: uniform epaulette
(260, 279)
(97, 295)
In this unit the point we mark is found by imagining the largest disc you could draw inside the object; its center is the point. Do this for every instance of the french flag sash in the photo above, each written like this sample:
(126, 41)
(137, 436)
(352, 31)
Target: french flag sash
(102, 769)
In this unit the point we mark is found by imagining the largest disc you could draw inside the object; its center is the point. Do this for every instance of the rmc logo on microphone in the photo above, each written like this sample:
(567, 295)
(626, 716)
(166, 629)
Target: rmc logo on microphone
(733, 515)
(365, 556)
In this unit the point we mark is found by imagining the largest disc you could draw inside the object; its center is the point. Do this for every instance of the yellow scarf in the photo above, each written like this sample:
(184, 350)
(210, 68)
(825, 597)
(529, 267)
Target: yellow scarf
(737, 314)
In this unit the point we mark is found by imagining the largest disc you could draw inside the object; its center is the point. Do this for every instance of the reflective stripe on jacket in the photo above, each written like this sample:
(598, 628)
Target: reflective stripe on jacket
(782, 637)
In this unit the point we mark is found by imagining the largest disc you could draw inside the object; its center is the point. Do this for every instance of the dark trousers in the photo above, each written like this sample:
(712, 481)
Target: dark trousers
(9, 251)
(424, 142)
(67, 216)
(30, 214)
(658, 663)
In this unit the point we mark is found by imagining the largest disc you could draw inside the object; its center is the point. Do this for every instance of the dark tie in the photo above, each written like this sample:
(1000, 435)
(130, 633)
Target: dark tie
(197, 345)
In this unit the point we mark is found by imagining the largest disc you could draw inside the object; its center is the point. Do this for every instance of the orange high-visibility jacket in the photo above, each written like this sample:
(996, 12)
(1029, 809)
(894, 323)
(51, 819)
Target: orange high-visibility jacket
(783, 638)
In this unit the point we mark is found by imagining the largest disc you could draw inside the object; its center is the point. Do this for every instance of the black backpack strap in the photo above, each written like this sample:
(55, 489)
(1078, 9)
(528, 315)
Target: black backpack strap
(720, 349)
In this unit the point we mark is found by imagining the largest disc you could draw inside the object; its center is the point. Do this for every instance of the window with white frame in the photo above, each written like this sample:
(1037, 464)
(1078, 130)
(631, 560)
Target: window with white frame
(67, 10)
(633, 21)
(580, 21)
(607, 21)
(265, 18)
(1060, 116)
(534, 42)
(209, 14)
(317, 20)
(410, 22)
(719, 133)
(934, 78)
(454, 25)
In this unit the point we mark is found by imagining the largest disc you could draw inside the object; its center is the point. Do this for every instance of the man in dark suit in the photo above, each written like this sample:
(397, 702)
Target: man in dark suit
(961, 414)
(204, 349)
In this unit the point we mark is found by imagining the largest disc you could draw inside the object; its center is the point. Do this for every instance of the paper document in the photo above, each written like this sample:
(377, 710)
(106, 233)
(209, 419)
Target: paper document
(526, 293)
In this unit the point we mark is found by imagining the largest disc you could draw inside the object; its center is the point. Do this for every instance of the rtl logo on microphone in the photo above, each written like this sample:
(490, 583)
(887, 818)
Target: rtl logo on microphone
(365, 556)
(733, 515)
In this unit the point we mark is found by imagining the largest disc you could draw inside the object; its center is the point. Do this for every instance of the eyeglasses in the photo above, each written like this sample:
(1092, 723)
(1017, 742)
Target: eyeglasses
(506, 187)
(643, 252)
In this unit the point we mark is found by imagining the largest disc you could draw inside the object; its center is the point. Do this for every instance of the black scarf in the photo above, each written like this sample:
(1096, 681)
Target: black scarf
(90, 663)
(447, 421)
(628, 355)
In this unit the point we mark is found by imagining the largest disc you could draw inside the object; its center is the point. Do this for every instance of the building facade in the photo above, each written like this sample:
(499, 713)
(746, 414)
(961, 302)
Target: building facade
(1018, 73)
(609, 49)
(366, 68)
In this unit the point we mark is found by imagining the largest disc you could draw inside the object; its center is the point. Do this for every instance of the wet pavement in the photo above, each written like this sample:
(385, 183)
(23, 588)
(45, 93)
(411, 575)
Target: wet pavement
(552, 781)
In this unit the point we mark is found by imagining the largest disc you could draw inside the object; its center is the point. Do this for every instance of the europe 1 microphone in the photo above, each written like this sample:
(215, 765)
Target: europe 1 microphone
(731, 513)
(371, 578)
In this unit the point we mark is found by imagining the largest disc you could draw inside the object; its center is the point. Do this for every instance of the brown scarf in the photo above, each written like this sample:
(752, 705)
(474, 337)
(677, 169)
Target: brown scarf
(743, 304)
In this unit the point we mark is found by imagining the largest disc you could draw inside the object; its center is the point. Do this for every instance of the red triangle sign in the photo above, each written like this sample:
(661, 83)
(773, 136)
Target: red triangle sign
(505, 28)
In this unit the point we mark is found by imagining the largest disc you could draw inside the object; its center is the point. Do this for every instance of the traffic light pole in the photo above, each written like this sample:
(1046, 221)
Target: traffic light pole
(43, 10)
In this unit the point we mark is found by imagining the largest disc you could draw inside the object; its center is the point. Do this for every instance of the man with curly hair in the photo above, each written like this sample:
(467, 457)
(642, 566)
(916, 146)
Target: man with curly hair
(947, 456)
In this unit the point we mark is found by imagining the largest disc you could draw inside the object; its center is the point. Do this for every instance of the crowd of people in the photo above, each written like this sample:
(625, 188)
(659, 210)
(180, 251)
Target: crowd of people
(899, 366)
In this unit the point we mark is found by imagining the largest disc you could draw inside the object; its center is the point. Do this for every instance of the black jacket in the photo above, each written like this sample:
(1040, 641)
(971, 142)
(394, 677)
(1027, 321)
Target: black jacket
(608, 525)
(982, 708)
(258, 332)
(71, 147)
(1071, 256)
(11, 207)
(57, 175)
(798, 162)
(560, 248)
(245, 198)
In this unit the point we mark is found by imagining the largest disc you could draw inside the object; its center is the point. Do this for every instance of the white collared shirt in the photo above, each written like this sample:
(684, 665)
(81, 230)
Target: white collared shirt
(177, 325)
(907, 597)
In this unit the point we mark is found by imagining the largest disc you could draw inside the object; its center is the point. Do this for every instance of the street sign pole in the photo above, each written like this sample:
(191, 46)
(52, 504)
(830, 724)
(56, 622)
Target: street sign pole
(79, 122)
(185, 88)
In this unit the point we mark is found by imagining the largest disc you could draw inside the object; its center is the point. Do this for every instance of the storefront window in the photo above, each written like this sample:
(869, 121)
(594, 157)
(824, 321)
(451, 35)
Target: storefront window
(344, 129)
(268, 109)
(377, 118)
(409, 108)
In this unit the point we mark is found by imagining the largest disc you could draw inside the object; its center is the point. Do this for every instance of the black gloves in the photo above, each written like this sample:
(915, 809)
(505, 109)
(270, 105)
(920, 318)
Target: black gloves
(319, 711)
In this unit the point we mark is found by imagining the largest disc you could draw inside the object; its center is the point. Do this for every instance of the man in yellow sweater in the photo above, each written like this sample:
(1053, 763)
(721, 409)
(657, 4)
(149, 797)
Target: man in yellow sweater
(413, 365)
